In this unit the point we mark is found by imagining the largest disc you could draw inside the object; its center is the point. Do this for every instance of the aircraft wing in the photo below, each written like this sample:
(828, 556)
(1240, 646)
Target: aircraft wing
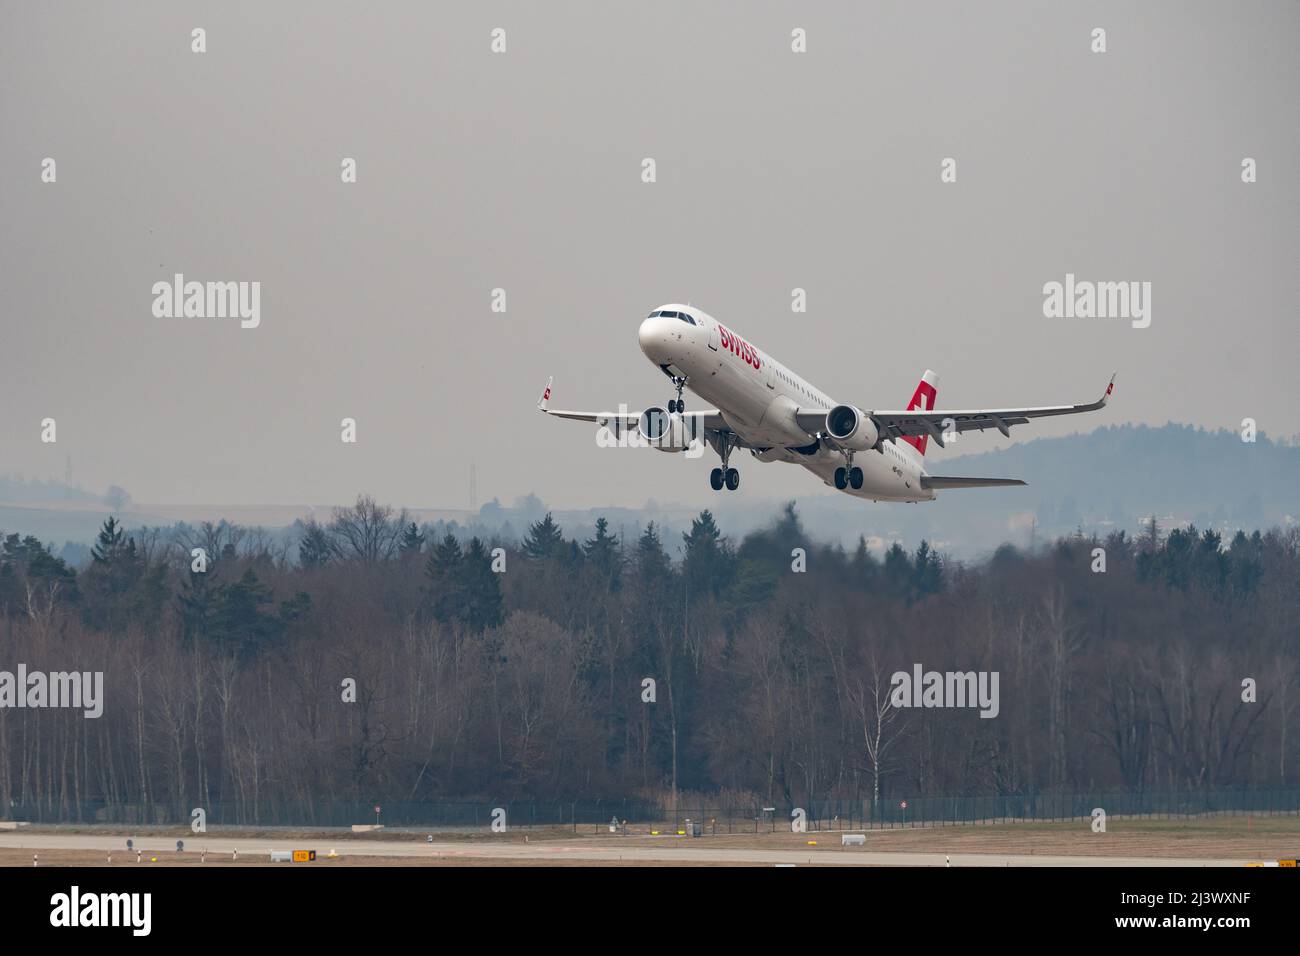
(710, 419)
(932, 423)
(812, 420)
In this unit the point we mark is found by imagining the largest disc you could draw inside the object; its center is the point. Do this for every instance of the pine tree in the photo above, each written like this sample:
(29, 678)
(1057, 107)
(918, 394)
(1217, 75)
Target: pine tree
(112, 545)
(412, 542)
(769, 549)
(445, 593)
(605, 555)
(1149, 542)
(239, 621)
(544, 539)
(444, 559)
(26, 561)
(652, 565)
(863, 566)
(898, 571)
(481, 588)
(708, 564)
(118, 586)
(927, 575)
(1246, 556)
(197, 600)
(315, 549)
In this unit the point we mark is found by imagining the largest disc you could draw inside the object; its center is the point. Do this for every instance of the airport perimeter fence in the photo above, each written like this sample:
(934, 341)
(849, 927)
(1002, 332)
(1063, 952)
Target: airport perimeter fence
(594, 815)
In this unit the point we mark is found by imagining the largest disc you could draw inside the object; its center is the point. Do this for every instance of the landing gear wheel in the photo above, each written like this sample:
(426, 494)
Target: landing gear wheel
(855, 477)
(733, 479)
(677, 405)
(841, 479)
(715, 479)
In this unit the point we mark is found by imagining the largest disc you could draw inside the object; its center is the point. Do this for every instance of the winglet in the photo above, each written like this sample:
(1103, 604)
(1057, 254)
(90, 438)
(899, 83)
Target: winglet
(544, 403)
(1109, 388)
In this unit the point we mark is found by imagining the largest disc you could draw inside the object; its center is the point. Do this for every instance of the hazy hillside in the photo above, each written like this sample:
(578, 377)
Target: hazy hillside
(1110, 478)
(1123, 473)
(1128, 470)
(15, 488)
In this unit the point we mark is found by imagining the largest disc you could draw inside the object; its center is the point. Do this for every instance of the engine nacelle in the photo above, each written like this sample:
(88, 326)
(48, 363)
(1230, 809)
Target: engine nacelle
(851, 428)
(664, 431)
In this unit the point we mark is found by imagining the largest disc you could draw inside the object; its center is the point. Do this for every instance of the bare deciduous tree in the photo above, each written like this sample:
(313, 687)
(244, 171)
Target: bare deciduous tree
(367, 531)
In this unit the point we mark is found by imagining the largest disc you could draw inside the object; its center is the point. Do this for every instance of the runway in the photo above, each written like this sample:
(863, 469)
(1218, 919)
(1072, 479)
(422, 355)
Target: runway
(596, 851)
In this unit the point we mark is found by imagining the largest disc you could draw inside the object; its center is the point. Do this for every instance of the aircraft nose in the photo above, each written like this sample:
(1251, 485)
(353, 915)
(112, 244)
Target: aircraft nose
(653, 337)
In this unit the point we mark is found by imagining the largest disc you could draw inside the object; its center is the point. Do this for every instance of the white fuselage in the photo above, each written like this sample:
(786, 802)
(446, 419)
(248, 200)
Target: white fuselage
(759, 397)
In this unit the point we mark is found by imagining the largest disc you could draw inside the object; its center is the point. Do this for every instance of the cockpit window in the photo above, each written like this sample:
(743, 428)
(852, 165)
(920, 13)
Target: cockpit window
(669, 314)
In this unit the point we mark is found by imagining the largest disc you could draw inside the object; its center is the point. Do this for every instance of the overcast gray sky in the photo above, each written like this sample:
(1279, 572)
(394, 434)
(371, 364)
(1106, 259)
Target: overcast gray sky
(522, 170)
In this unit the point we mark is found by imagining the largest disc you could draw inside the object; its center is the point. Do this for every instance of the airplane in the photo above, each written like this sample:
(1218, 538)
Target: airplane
(764, 407)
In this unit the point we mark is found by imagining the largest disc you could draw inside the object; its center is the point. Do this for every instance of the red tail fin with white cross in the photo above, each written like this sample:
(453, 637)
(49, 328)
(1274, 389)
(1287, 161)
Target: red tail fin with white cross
(923, 400)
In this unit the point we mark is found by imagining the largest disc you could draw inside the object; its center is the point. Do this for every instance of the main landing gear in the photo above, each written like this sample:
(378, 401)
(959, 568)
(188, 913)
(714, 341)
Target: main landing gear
(725, 475)
(677, 405)
(849, 475)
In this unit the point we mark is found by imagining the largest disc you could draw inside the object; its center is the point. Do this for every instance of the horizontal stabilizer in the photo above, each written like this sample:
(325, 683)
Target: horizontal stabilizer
(938, 482)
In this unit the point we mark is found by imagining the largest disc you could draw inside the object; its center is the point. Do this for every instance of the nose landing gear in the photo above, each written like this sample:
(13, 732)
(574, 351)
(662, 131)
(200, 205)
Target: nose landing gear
(677, 405)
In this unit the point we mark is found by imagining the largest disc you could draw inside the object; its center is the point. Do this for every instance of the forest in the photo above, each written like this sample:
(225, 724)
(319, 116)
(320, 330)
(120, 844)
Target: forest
(368, 659)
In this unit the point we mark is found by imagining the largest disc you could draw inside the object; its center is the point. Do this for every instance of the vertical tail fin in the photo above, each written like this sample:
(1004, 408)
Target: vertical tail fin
(923, 399)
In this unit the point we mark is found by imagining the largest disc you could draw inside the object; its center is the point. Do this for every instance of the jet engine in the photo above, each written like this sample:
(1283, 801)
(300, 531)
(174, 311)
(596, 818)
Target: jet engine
(851, 428)
(665, 431)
